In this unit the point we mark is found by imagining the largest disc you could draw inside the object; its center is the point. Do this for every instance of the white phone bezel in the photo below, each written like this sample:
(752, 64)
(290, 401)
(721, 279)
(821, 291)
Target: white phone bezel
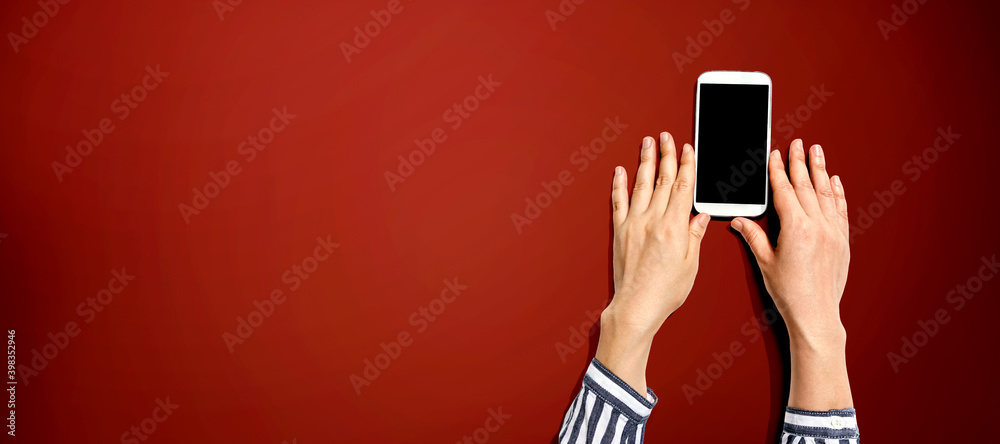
(732, 78)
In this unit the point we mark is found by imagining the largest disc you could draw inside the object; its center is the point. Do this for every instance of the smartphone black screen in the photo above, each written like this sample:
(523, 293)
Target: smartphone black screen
(732, 143)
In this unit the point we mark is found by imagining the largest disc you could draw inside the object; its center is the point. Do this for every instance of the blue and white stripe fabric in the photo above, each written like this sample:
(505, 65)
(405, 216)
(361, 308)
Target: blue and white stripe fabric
(831, 426)
(607, 410)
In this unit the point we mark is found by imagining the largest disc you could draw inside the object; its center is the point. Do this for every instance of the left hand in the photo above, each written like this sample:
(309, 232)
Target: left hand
(656, 246)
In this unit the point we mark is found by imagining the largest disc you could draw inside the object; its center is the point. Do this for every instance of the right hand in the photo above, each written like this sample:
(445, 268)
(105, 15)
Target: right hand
(806, 272)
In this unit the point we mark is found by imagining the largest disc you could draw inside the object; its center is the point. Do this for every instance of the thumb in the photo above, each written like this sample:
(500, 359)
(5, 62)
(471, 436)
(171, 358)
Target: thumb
(755, 237)
(696, 229)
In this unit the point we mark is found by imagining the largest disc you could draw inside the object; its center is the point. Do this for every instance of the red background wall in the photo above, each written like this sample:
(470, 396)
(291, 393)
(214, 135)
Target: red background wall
(495, 345)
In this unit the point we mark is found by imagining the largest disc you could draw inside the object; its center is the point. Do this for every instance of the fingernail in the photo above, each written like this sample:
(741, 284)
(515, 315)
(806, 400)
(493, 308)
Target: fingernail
(798, 145)
(836, 181)
(619, 170)
(665, 136)
(703, 219)
(819, 150)
(686, 148)
(737, 225)
(647, 142)
(776, 154)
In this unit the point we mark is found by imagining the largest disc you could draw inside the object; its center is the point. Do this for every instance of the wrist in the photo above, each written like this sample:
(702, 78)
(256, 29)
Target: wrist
(627, 327)
(819, 378)
(623, 348)
(819, 337)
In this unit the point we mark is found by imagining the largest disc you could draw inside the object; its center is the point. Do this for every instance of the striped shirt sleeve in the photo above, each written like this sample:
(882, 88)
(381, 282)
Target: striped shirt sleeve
(607, 410)
(831, 426)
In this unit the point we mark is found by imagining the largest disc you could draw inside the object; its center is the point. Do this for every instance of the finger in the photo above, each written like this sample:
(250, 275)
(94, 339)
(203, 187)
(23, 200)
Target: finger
(668, 171)
(821, 182)
(697, 228)
(799, 176)
(755, 237)
(644, 176)
(785, 202)
(682, 192)
(619, 197)
(840, 199)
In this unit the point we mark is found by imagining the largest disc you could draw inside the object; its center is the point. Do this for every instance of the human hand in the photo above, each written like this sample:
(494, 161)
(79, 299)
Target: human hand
(807, 271)
(655, 255)
(806, 274)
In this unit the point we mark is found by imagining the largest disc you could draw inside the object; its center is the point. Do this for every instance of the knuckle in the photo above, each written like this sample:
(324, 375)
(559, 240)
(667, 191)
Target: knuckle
(697, 234)
(802, 223)
(842, 212)
(641, 185)
(825, 192)
(662, 181)
(635, 223)
(655, 233)
(682, 185)
(797, 226)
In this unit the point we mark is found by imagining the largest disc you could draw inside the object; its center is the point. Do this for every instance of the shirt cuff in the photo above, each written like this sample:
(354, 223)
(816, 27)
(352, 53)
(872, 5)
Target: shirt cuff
(617, 393)
(831, 424)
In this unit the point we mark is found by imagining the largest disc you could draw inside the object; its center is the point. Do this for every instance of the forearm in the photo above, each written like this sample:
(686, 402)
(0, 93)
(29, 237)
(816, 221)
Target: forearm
(614, 402)
(624, 347)
(820, 405)
(819, 378)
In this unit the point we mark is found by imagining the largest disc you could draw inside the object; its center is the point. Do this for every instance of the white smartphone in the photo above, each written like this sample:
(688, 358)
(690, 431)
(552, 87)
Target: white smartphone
(732, 132)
